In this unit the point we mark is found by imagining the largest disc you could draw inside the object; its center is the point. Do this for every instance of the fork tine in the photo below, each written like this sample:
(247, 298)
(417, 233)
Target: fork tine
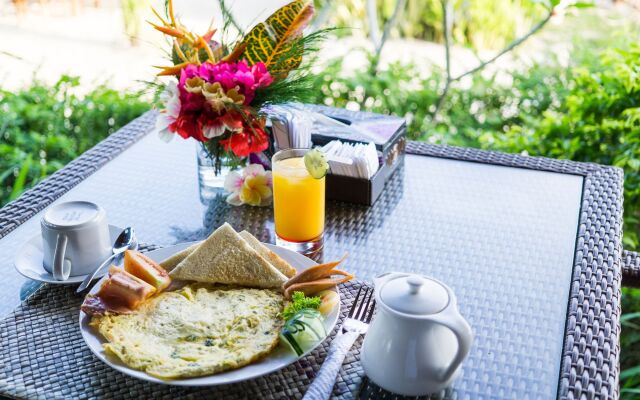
(362, 308)
(365, 308)
(373, 307)
(358, 315)
(355, 302)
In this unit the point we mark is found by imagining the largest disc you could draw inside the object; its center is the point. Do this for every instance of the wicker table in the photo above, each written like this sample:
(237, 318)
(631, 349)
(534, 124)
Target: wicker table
(531, 246)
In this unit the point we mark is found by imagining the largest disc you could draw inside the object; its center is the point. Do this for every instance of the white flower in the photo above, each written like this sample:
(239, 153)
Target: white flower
(170, 99)
(253, 187)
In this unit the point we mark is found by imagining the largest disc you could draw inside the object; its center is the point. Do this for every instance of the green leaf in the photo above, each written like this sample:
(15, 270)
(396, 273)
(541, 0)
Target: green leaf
(277, 36)
(629, 316)
(581, 4)
(18, 185)
(629, 372)
(300, 302)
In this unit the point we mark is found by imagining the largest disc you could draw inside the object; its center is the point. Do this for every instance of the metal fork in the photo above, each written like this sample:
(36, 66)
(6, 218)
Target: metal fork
(355, 324)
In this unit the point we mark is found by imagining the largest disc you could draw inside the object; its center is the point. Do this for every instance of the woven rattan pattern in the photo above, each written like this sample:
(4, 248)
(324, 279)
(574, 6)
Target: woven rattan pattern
(590, 363)
(46, 358)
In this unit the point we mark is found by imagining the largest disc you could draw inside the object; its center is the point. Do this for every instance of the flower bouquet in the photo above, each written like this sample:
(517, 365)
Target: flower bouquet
(219, 87)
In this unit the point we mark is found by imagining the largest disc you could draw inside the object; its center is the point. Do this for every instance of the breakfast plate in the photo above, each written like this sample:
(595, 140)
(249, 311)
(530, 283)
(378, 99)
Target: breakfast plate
(279, 358)
(28, 261)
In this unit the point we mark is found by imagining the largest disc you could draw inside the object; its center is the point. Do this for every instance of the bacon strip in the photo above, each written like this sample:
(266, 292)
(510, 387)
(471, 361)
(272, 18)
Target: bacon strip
(94, 305)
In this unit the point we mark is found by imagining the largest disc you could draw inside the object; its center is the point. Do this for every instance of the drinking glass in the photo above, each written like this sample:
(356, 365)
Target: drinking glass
(298, 202)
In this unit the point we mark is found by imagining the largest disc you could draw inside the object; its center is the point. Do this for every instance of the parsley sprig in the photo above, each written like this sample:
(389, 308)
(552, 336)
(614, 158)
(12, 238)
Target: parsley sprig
(299, 302)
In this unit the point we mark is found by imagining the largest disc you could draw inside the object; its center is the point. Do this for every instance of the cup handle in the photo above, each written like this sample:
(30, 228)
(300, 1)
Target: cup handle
(61, 266)
(453, 320)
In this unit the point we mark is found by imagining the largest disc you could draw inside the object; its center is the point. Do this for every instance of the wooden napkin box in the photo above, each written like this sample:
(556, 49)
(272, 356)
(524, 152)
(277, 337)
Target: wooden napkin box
(388, 133)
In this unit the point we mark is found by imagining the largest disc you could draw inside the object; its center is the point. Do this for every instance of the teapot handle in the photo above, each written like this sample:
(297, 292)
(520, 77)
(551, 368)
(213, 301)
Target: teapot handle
(452, 319)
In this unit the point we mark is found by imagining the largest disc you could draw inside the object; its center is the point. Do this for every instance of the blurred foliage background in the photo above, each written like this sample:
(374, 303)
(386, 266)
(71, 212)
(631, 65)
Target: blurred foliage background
(480, 24)
(43, 127)
(584, 107)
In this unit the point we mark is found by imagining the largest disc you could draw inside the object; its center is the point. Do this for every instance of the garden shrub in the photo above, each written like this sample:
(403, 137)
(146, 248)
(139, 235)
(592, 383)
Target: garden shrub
(43, 127)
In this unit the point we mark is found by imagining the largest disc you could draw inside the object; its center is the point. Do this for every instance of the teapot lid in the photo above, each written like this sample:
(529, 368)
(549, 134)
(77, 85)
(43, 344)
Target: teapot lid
(414, 294)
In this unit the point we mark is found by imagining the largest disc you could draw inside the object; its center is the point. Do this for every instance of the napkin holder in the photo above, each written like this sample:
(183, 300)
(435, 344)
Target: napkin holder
(388, 133)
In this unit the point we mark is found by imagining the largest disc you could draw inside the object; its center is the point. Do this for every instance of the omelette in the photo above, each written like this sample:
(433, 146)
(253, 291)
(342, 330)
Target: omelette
(194, 331)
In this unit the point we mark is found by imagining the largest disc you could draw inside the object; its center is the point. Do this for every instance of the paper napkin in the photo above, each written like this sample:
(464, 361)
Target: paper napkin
(291, 127)
(357, 160)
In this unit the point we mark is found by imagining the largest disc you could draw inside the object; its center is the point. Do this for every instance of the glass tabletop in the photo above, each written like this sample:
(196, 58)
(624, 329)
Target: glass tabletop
(502, 238)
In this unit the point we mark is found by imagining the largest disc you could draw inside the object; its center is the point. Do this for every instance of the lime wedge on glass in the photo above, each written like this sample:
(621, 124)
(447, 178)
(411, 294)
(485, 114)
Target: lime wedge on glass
(316, 163)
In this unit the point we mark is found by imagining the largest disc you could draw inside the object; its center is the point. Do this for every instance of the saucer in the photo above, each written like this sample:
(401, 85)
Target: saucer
(28, 261)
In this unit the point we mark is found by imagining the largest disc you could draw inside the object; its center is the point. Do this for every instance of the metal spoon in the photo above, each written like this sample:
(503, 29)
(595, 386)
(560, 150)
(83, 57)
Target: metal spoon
(125, 241)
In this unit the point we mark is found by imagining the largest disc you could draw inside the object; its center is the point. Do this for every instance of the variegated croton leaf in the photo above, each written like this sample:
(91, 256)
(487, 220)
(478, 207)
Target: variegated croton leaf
(277, 41)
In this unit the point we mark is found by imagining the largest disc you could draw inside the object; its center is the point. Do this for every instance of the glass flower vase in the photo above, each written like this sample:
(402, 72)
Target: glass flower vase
(211, 174)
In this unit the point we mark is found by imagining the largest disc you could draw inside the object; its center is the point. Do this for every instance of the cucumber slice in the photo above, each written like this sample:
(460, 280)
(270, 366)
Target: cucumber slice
(303, 331)
(316, 163)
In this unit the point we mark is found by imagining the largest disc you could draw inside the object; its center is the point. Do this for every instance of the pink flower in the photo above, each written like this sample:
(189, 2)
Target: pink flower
(203, 97)
(231, 75)
(190, 101)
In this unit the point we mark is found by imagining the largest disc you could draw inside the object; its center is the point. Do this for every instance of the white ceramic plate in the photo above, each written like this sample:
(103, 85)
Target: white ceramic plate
(28, 261)
(278, 359)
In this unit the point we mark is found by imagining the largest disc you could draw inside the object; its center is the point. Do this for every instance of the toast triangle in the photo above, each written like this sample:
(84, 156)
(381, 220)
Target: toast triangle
(275, 260)
(170, 263)
(224, 257)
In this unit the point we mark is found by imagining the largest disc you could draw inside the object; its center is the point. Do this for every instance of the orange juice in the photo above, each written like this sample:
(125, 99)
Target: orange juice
(298, 201)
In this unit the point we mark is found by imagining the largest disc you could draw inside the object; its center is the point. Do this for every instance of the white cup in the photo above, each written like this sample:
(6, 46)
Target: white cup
(75, 239)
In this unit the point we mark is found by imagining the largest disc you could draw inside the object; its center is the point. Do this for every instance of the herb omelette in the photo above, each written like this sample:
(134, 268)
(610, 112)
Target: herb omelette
(194, 331)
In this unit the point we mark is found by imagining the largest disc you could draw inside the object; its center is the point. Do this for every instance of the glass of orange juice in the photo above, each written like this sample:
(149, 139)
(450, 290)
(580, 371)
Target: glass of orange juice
(298, 202)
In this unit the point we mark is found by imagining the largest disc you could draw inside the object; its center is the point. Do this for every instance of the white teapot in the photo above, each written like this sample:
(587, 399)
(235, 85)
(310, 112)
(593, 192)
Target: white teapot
(418, 338)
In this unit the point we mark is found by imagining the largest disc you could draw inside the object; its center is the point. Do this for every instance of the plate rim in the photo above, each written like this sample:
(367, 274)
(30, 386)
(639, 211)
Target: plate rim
(89, 333)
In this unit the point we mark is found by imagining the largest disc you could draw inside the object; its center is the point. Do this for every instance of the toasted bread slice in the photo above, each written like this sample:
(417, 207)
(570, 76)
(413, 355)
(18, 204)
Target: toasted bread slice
(170, 263)
(275, 260)
(224, 257)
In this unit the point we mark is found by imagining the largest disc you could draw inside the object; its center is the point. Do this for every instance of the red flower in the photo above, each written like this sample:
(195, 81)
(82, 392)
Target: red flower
(186, 125)
(252, 139)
